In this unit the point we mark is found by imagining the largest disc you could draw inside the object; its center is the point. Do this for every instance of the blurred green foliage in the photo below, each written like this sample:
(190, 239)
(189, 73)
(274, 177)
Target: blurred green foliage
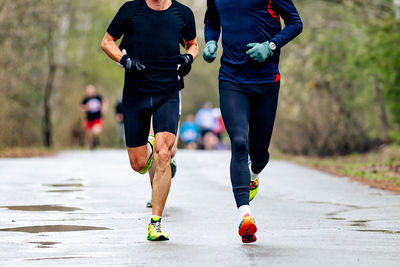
(340, 78)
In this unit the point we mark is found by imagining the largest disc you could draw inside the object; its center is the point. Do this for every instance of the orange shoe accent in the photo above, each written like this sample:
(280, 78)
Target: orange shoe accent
(253, 184)
(249, 239)
(247, 226)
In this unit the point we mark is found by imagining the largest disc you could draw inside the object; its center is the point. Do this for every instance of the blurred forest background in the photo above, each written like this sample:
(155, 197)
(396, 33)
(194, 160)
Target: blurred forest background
(340, 79)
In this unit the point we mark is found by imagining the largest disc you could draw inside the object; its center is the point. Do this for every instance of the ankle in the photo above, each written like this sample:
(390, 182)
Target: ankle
(244, 210)
(155, 218)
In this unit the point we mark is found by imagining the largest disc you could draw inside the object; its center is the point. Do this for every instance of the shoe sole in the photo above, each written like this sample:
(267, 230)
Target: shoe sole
(249, 239)
(251, 196)
(247, 228)
(160, 238)
(147, 168)
(149, 163)
(253, 191)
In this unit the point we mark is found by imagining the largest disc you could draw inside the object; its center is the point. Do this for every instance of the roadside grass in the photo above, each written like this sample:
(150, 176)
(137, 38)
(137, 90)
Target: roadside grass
(379, 168)
(19, 152)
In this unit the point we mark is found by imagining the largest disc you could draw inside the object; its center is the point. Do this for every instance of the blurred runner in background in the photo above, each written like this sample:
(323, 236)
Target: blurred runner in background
(119, 116)
(190, 133)
(210, 122)
(205, 118)
(94, 106)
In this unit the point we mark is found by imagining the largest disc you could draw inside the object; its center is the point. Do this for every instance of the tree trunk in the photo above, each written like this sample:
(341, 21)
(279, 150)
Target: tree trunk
(46, 122)
(384, 116)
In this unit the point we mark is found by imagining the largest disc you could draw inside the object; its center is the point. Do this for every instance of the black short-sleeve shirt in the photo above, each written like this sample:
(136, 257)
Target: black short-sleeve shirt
(154, 38)
(93, 105)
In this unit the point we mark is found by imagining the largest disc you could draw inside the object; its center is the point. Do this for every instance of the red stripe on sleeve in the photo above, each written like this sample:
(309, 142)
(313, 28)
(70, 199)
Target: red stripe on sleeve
(272, 12)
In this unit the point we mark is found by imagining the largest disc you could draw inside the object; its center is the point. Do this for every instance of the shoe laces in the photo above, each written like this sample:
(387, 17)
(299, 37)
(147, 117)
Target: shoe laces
(248, 216)
(157, 226)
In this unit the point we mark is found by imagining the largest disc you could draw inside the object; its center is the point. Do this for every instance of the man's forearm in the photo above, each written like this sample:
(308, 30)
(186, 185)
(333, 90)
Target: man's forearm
(293, 23)
(109, 46)
(192, 48)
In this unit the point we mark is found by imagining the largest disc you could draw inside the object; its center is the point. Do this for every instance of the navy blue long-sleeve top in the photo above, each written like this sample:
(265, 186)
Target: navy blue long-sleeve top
(250, 21)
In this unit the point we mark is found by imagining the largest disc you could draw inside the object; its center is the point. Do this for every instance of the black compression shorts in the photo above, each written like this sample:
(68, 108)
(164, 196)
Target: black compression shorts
(138, 109)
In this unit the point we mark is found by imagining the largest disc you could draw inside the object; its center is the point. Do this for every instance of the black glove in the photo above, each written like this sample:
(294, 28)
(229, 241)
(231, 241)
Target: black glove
(132, 64)
(186, 61)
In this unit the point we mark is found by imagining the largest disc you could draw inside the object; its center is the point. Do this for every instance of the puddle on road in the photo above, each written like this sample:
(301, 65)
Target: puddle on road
(335, 215)
(379, 231)
(360, 223)
(334, 204)
(41, 208)
(45, 244)
(55, 258)
(336, 219)
(70, 187)
(53, 228)
(64, 185)
(64, 191)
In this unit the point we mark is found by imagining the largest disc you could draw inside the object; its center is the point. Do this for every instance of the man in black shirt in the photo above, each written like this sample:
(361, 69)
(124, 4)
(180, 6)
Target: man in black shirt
(152, 31)
(93, 106)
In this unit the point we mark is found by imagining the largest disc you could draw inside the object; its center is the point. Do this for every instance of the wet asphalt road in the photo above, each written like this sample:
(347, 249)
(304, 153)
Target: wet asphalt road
(88, 208)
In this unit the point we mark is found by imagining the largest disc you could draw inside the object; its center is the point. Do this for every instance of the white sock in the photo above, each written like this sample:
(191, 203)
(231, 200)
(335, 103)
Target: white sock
(243, 210)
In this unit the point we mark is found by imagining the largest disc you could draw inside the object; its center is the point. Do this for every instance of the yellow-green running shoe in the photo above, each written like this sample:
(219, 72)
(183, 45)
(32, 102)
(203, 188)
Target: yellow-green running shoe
(254, 181)
(151, 141)
(155, 231)
(149, 204)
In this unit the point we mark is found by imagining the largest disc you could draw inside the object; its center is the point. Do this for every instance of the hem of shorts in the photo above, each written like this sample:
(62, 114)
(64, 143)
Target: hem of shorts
(150, 91)
(248, 82)
(165, 131)
(136, 146)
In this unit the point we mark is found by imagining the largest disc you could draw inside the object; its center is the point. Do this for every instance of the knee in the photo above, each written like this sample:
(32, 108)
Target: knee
(239, 144)
(138, 164)
(163, 149)
(163, 155)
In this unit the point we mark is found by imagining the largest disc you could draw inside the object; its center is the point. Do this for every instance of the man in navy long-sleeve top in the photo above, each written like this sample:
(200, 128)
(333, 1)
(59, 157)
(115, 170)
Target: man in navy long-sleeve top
(249, 83)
